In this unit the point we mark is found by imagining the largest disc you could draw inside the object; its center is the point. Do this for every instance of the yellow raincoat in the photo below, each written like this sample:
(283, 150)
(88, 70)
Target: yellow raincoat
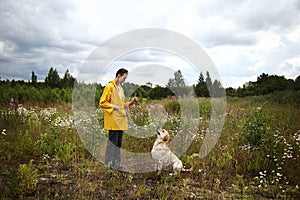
(114, 119)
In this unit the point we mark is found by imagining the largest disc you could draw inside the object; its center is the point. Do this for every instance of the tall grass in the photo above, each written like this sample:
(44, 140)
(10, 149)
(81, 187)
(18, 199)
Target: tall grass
(256, 157)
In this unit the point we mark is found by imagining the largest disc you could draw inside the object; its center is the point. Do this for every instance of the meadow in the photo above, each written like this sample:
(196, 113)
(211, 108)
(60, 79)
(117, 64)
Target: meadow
(257, 155)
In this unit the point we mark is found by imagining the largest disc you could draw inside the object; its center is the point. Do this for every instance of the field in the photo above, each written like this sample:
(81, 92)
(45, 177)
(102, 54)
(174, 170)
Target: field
(257, 155)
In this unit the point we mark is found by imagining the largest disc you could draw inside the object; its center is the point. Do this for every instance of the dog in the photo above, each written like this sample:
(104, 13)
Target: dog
(163, 156)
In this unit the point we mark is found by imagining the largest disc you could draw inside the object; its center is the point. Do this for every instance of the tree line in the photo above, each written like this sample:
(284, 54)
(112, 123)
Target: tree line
(177, 87)
(55, 89)
(265, 84)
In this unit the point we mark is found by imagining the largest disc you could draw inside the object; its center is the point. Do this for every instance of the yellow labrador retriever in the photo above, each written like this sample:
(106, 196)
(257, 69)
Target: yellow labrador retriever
(162, 154)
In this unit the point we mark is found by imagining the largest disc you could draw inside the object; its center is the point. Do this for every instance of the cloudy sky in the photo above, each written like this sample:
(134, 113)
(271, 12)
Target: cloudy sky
(243, 38)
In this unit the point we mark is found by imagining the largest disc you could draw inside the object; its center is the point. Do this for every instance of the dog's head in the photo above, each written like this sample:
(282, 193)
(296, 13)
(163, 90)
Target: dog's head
(163, 134)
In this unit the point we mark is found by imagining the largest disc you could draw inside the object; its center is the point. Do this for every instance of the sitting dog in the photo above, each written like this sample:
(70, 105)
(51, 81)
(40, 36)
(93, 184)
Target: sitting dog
(162, 154)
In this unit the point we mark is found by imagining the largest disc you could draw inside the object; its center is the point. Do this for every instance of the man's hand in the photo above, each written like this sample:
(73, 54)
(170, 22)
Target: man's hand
(116, 107)
(133, 100)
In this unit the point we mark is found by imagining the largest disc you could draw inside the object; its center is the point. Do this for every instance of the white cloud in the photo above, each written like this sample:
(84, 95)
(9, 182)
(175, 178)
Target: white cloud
(294, 34)
(290, 68)
(243, 38)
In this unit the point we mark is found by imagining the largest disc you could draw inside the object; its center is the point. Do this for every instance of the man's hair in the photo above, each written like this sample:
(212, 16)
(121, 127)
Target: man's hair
(122, 71)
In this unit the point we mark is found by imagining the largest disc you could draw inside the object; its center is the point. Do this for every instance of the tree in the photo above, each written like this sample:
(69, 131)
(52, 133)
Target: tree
(159, 92)
(217, 89)
(52, 79)
(297, 83)
(68, 80)
(177, 85)
(262, 78)
(200, 89)
(268, 84)
(33, 78)
(230, 92)
(149, 84)
(208, 81)
(143, 91)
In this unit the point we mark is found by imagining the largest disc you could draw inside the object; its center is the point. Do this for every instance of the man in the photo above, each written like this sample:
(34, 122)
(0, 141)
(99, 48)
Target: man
(113, 103)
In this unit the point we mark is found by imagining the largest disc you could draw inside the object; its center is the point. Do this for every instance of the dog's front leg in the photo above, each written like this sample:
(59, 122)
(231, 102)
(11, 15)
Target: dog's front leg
(156, 165)
(159, 166)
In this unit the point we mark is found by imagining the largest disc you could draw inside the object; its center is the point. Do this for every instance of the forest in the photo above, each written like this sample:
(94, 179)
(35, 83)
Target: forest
(55, 89)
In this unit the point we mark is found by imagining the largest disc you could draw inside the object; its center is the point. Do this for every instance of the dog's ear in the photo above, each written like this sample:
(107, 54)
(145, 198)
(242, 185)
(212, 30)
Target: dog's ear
(157, 130)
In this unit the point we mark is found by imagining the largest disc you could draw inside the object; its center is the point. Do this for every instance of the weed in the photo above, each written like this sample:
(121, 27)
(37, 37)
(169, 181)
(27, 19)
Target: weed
(28, 177)
(240, 186)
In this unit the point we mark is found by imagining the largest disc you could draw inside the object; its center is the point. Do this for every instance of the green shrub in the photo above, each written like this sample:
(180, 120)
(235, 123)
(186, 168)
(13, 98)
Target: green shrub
(255, 128)
(28, 178)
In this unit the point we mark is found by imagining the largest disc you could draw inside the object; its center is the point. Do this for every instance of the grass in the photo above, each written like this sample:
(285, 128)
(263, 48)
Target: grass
(257, 155)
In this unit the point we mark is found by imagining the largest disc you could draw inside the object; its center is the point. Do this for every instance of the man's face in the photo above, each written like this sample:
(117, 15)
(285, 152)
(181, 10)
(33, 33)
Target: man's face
(122, 78)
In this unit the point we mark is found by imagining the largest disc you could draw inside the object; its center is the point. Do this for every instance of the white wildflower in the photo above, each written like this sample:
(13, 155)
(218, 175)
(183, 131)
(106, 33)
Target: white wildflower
(4, 132)
(278, 174)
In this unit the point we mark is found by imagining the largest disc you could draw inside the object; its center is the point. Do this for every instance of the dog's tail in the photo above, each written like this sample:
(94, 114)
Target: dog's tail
(188, 170)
